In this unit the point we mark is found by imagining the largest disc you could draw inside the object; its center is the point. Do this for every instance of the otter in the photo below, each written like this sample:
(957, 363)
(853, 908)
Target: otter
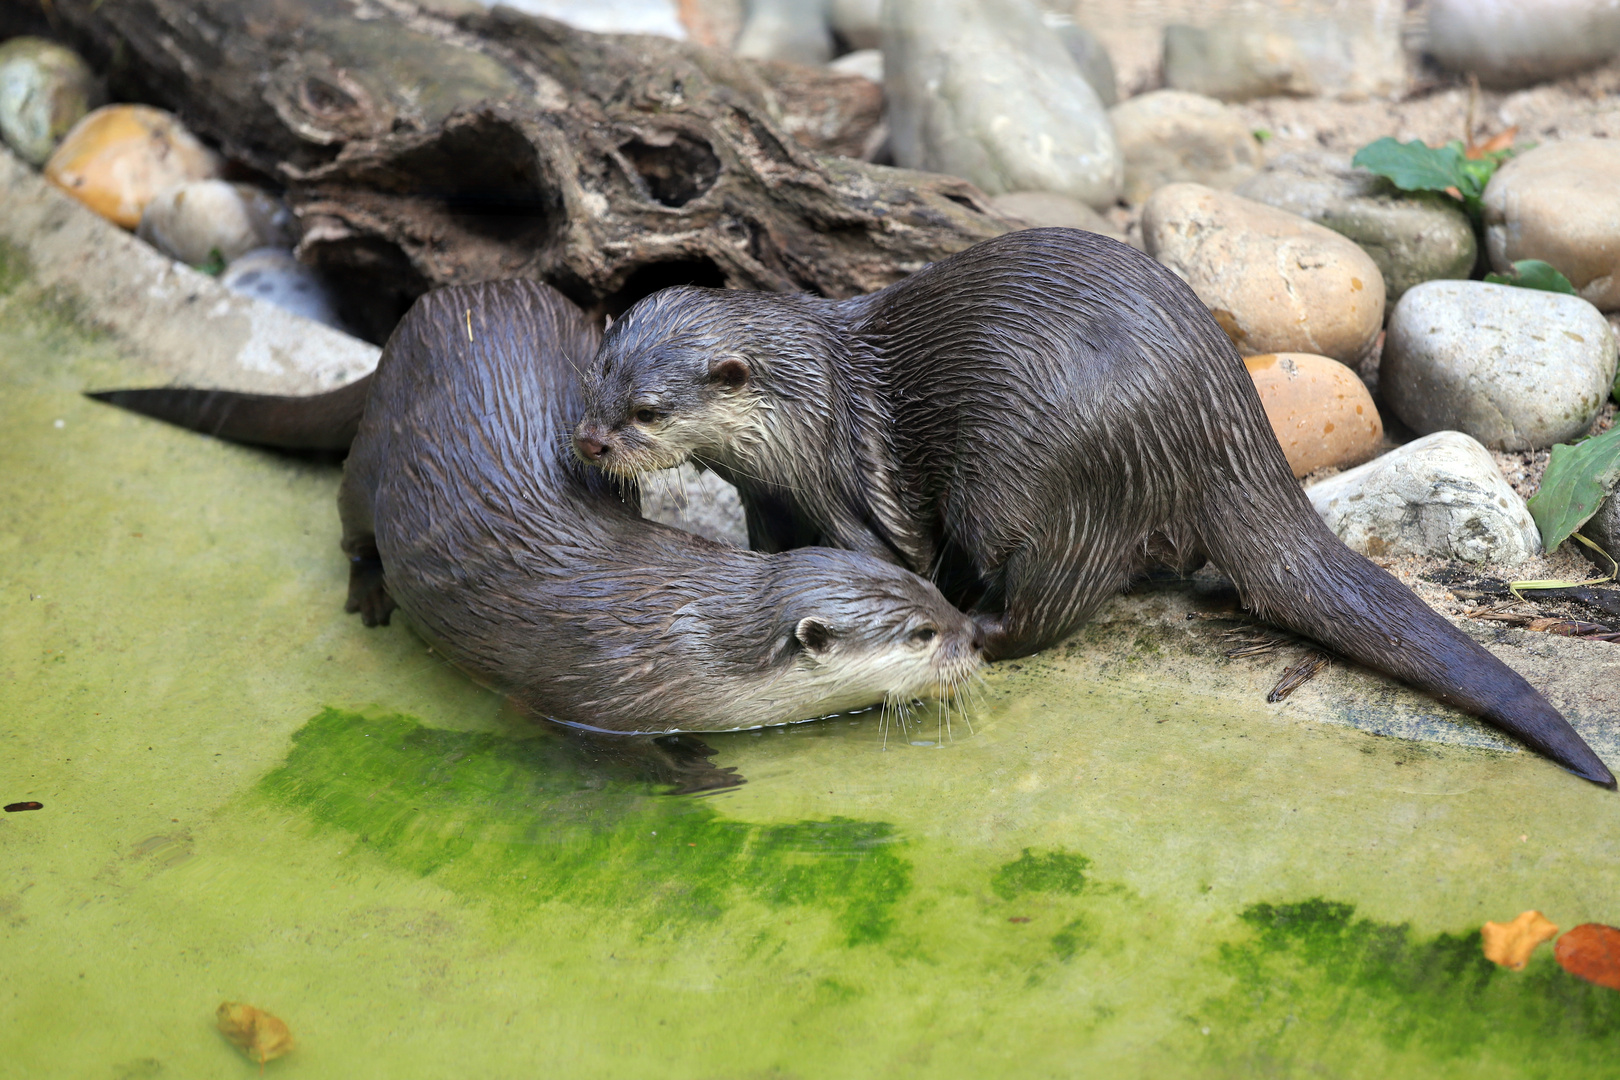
(463, 505)
(1031, 423)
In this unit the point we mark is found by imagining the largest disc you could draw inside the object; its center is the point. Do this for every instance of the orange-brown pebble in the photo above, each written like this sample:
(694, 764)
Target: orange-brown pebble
(1511, 943)
(1591, 951)
(118, 157)
(1320, 410)
(260, 1036)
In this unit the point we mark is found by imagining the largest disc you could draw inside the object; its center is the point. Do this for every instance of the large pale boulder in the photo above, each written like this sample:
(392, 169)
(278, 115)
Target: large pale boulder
(1509, 43)
(1412, 236)
(1274, 281)
(1561, 203)
(1441, 496)
(1515, 368)
(792, 30)
(1170, 135)
(984, 90)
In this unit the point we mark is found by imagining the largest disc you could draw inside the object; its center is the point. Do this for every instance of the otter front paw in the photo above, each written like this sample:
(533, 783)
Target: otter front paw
(368, 592)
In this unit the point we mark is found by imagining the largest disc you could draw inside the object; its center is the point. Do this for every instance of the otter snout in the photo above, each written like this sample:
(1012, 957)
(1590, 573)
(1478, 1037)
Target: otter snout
(591, 443)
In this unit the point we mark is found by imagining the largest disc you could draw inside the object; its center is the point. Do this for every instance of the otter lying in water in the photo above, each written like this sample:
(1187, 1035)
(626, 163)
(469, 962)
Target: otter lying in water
(462, 504)
(1032, 423)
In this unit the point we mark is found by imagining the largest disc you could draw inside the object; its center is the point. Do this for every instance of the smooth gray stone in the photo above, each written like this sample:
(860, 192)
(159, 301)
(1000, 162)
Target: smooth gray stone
(1310, 49)
(792, 30)
(1603, 529)
(1517, 369)
(276, 277)
(1512, 43)
(986, 91)
(1412, 236)
(44, 90)
(1091, 55)
(1440, 496)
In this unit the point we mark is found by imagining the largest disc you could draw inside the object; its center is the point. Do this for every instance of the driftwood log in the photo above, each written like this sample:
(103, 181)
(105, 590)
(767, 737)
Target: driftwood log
(428, 143)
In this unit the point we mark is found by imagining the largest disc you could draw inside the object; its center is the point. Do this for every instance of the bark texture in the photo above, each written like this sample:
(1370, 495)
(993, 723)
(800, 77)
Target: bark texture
(437, 143)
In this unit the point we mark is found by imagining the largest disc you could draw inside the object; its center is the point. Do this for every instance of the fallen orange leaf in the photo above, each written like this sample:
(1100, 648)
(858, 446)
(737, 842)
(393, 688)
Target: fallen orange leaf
(1591, 951)
(259, 1035)
(1500, 141)
(1511, 943)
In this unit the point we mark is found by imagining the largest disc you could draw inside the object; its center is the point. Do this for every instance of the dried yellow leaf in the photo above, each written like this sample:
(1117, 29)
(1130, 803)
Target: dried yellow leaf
(1511, 943)
(260, 1036)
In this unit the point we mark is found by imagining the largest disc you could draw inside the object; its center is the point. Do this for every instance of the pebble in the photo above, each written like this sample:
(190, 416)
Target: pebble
(791, 30)
(1603, 529)
(867, 63)
(1517, 369)
(193, 219)
(1558, 203)
(1171, 135)
(859, 23)
(1321, 412)
(120, 156)
(44, 90)
(1512, 43)
(1351, 52)
(1412, 236)
(982, 89)
(1439, 496)
(1090, 55)
(1046, 209)
(275, 276)
(1274, 281)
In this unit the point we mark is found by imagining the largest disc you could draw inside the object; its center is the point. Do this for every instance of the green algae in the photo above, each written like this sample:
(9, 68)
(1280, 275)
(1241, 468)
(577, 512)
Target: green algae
(511, 821)
(1055, 871)
(14, 266)
(1313, 982)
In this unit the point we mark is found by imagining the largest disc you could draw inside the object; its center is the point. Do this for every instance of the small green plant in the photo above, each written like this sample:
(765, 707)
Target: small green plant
(1574, 485)
(1263, 135)
(1534, 274)
(1458, 170)
(214, 265)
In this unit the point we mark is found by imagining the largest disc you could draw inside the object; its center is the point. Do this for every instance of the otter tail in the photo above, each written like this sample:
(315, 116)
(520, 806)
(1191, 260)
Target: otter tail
(1293, 571)
(316, 422)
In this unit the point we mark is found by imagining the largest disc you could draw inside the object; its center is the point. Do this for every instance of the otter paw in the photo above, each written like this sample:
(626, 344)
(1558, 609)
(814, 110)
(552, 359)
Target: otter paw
(368, 592)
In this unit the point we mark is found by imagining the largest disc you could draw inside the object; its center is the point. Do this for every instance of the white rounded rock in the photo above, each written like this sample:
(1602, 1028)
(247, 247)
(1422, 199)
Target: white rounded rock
(1441, 496)
(792, 30)
(1515, 368)
(984, 90)
(1511, 43)
(275, 276)
(1170, 135)
(192, 220)
(45, 89)
(1560, 203)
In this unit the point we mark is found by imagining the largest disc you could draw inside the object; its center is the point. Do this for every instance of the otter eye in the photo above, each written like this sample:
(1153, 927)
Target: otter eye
(924, 635)
(645, 416)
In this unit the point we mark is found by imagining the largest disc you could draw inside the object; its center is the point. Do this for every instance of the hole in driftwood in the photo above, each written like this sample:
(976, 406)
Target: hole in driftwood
(646, 280)
(373, 284)
(675, 174)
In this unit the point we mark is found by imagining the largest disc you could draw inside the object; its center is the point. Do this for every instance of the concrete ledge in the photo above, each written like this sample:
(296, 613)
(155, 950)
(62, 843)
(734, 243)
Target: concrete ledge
(185, 326)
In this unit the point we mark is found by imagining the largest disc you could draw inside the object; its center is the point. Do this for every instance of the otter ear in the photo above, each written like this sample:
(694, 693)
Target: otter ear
(815, 635)
(607, 323)
(731, 371)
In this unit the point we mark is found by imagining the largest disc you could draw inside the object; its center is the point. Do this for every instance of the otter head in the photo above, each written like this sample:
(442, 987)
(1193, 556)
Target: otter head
(665, 386)
(855, 631)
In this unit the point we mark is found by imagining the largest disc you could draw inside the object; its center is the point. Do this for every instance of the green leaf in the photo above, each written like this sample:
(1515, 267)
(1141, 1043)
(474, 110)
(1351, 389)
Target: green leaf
(214, 265)
(1534, 274)
(1577, 480)
(1263, 135)
(1415, 167)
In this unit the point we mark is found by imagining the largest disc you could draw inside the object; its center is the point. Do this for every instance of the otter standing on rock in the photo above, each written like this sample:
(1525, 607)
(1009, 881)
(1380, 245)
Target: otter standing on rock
(462, 503)
(1031, 422)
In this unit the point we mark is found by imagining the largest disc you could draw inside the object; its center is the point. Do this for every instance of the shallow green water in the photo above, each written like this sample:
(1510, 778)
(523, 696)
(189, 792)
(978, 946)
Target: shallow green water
(248, 796)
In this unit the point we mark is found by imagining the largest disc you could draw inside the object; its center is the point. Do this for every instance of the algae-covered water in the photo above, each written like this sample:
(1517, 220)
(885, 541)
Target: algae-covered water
(247, 796)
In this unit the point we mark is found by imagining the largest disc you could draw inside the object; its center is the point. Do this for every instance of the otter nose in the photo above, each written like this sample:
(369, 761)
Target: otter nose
(590, 448)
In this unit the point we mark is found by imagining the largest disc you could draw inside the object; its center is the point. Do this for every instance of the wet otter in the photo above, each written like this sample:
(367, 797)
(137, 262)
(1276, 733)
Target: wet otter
(462, 503)
(1031, 422)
